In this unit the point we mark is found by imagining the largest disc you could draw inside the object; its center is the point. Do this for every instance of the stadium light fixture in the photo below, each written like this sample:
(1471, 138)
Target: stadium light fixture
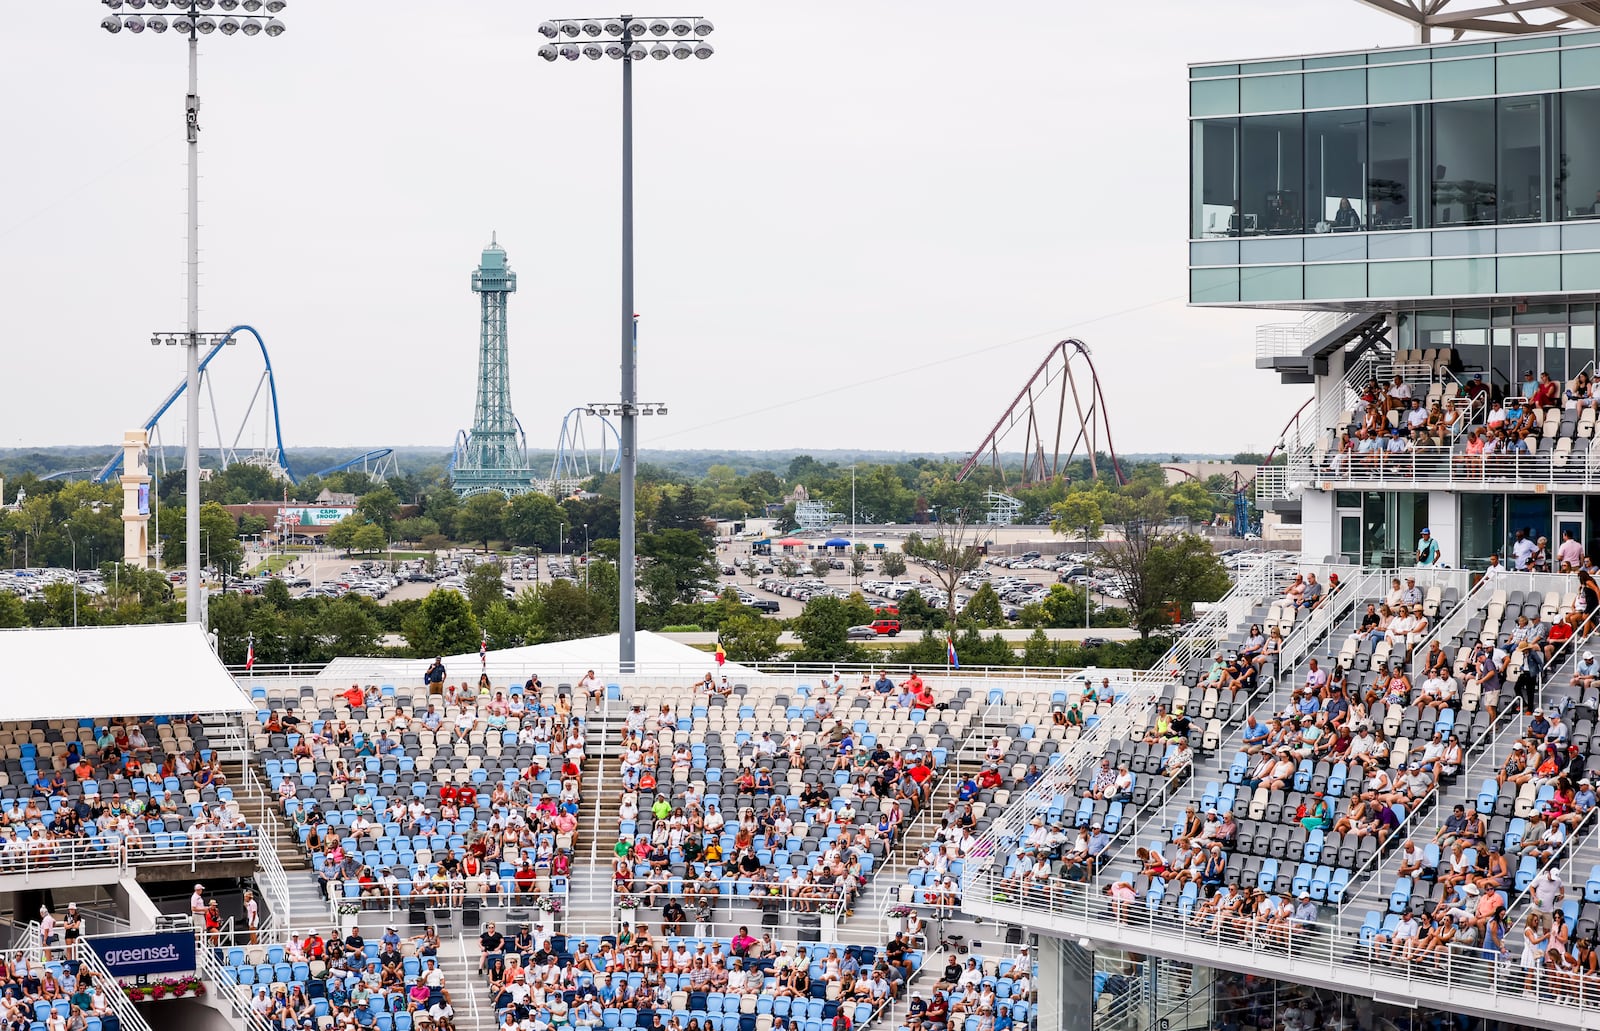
(190, 20)
(623, 39)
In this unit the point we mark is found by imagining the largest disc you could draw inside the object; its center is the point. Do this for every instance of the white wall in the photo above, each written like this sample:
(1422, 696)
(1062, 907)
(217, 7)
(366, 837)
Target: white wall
(1318, 533)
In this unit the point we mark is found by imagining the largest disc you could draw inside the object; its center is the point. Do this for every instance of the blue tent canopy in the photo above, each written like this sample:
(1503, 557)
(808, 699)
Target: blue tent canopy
(836, 542)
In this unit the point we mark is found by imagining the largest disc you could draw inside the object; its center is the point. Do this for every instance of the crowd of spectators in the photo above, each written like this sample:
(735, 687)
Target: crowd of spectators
(346, 981)
(475, 792)
(139, 788)
(60, 995)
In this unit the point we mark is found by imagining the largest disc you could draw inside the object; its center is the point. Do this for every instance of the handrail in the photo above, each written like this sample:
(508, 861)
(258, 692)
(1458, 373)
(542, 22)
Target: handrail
(466, 965)
(270, 874)
(599, 776)
(226, 989)
(116, 998)
(377, 670)
(37, 856)
(1336, 956)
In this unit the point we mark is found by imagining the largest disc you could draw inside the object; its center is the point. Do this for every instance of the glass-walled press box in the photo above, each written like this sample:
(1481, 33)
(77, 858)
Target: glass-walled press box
(1461, 170)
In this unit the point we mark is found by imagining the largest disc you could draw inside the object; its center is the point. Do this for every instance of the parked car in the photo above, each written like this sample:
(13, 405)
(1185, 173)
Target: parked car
(886, 627)
(861, 633)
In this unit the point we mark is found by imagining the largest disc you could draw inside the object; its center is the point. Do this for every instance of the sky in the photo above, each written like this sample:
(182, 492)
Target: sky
(860, 224)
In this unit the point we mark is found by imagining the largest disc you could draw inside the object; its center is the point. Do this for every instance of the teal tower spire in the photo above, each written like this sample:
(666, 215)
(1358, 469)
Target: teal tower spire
(492, 456)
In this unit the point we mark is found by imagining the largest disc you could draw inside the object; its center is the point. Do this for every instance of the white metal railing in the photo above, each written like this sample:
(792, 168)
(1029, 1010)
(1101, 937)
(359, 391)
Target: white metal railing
(1282, 339)
(597, 751)
(270, 874)
(225, 989)
(1447, 466)
(114, 996)
(394, 672)
(1356, 585)
(472, 989)
(1334, 951)
(1272, 483)
(37, 856)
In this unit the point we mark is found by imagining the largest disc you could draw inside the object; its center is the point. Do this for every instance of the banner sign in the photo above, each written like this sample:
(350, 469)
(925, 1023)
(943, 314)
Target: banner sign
(312, 516)
(144, 499)
(140, 955)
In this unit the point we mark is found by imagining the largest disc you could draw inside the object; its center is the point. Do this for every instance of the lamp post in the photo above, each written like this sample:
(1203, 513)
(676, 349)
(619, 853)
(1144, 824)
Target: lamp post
(192, 19)
(627, 39)
(74, 540)
(586, 556)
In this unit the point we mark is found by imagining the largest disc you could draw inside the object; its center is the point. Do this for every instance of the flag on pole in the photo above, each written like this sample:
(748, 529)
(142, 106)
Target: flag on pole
(250, 654)
(483, 651)
(950, 653)
(722, 654)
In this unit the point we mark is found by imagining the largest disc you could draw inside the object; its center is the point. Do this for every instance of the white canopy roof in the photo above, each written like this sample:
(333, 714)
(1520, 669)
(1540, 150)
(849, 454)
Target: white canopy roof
(159, 669)
(653, 653)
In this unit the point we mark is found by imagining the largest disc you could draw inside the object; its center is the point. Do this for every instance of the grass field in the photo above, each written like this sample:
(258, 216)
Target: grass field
(272, 564)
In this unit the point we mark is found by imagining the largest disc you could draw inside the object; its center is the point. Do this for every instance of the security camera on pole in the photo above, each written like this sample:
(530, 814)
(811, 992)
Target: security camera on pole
(627, 39)
(192, 19)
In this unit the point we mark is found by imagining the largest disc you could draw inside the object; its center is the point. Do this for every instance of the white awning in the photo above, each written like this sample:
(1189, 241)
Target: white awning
(569, 659)
(159, 669)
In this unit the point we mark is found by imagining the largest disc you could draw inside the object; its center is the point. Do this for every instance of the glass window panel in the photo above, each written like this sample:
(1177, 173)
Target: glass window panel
(1482, 525)
(1271, 283)
(1337, 89)
(1555, 354)
(1395, 175)
(1269, 93)
(1400, 245)
(1214, 97)
(1214, 167)
(1581, 358)
(1524, 73)
(1463, 276)
(1526, 239)
(1377, 526)
(1456, 50)
(1271, 184)
(1463, 78)
(1471, 341)
(1530, 274)
(1462, 242)
(1212, 71)
(1336, 170)
(1397, 84)
(1508, 46)
(1579, 39)
(1524, 171)
(1337, 247)
(1580, 154)
(1336, 61)
(1581, 272)
(1336, 282)
(1530, 512)
(1215, 252)
(1288, 64)
(1580, 67)
(1271, 251)
(1400, 279)
(1213, 285)
(1581, 237)
(1463, 163)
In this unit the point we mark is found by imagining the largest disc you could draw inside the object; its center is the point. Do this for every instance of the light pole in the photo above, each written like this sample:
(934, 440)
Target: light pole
(586, 556)
(192, 19)
(74, 540)
(627, 39)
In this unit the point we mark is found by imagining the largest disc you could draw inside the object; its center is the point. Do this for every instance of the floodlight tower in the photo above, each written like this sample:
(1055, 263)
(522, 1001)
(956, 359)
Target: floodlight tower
(192, 19)
(625, 39)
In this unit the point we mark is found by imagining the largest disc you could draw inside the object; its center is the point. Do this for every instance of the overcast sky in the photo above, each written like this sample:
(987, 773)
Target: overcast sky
(860, 224)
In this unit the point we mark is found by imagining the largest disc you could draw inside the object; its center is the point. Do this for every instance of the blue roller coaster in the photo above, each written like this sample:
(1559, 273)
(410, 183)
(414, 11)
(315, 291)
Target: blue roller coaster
(375, 461)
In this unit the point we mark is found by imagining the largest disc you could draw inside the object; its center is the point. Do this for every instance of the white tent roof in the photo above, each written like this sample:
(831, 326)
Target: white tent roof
(159, 669)
(564, 658)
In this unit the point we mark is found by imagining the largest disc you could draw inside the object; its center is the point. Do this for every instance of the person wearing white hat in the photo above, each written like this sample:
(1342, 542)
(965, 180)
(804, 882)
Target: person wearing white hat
(1587, 672)
(197, 907)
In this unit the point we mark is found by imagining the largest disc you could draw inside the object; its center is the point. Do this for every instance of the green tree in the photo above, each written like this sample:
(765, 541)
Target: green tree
(750, 569)
(12, 612)
(380, 507)
(1078, 514)
(534, 519)
(350, 626)
(369, 539)
(219, 547)
(342, 535)
(415, 528)
(820, 567)
(481, 519)
(678, 564)
(563, 610)
(485, 586)
(1159, 570)
(893, 565)
(505, 626)
(858, 564)
(822, 627)
(749, 638)
(442, 625)
(983, 609)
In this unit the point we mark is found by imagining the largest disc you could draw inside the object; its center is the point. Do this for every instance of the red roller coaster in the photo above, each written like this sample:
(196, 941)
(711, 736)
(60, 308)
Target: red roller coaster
(1041, 409)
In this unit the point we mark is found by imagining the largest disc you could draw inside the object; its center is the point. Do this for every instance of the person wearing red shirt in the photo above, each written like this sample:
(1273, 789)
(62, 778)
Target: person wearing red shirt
(1547, 394)
(922, 698)
(355, 697)
(467, 795)
(525, 878)
(448, 793)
